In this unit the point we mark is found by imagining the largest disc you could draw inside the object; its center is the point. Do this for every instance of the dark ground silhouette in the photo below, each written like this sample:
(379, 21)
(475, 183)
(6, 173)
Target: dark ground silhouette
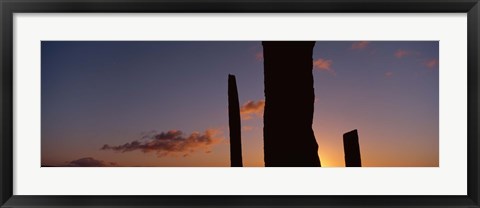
(289, 98)
(352, 149)
(234, 123)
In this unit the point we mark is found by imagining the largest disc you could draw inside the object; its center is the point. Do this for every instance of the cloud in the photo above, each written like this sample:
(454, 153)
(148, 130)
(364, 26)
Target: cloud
(247, 128)
(259, 56)
(360, 45)
(323, 65)
(388, 74)
(90, 162)
(170, 143)
(252, 108)
(400, 53)
(431, 63)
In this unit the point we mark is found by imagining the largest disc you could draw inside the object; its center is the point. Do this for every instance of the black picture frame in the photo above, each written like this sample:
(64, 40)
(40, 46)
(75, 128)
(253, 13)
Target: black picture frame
(9, 7)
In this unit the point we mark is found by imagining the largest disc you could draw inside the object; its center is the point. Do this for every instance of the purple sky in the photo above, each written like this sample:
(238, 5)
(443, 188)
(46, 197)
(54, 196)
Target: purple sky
(164, 103)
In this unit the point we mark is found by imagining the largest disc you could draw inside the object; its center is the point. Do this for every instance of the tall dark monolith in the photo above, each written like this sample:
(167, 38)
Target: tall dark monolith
(352, 149)
(289, 97)
(234, 122)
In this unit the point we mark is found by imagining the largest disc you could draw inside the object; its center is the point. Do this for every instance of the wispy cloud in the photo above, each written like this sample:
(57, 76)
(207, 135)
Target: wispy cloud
(360, 45)
(388, 74)
(90, 162)
(400, 53)
(172, 142)
(259, 56)
(431, 63)
(251, 108)
(323, 65)
(247, 128)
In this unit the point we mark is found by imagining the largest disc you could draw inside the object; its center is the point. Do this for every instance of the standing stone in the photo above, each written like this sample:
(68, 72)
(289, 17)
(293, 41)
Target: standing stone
(351, 149)
(289, 98)
(234, 122)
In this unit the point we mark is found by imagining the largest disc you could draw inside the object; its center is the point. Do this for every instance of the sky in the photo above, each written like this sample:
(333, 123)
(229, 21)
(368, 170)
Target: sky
(164, 103)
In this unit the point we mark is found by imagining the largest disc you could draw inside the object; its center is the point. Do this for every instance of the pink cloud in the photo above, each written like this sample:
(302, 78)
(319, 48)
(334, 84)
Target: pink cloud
(388, 74)
(360, 45)
(259, 56)
(252, 108)
(247, 128)
(323, 65)
(431, 63)
(400, 53)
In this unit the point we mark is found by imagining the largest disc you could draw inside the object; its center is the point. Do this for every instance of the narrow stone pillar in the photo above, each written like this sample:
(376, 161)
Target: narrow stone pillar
(351, 149)
(234, 122)
(289, 98)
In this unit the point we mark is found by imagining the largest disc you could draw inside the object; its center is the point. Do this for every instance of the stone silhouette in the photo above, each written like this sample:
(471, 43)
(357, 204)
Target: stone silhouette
(234, 123)
(352, 149)
(289, 98)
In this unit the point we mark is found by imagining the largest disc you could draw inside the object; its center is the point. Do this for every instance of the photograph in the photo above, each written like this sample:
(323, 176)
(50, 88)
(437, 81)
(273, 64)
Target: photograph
(271, 103)
(242, 103)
